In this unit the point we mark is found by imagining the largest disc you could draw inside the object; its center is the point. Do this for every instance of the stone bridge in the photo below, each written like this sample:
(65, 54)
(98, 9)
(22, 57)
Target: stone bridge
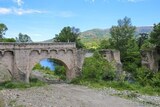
(20, 58)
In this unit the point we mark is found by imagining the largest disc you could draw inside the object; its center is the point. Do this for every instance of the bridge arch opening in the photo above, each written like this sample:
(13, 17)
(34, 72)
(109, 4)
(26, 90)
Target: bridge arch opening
(6, 61)
(50, 70)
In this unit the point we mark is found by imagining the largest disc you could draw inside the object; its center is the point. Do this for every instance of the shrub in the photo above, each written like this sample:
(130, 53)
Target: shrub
(61, 72)
(37, 67)
(144, 76)
(155, 81)
(7, 40)
(98, 68)
(21, 85)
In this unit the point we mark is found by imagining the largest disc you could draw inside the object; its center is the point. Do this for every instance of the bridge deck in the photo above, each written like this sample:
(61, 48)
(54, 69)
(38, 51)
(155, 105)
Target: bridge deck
(12, 45)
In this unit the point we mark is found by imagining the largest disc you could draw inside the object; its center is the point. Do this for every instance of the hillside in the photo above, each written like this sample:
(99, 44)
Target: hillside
(104, 33)
(91, 38)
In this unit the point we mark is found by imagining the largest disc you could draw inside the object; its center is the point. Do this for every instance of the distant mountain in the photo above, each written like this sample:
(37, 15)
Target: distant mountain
(50, 40)
(95, 33)
(144, 29)
(93, 36)
(104, 33)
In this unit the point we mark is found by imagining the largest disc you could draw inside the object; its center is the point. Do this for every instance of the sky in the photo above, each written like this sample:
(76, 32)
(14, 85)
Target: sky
(42, 19)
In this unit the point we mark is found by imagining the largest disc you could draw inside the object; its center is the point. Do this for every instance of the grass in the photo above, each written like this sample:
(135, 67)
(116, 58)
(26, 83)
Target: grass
(21, 85)
(118, 86)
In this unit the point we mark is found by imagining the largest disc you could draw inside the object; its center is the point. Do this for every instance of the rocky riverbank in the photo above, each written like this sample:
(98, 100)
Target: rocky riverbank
(146, 99)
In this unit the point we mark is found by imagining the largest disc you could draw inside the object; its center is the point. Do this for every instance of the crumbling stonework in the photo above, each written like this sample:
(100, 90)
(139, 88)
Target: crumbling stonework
(20, 58)
(151, 59)
(113, 56)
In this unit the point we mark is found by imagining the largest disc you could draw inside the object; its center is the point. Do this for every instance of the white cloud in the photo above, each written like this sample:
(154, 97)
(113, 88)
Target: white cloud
(19, 11)
(5, 10)
(19, 2)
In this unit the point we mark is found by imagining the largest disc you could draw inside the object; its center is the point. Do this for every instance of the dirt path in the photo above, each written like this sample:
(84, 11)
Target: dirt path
(63, 95)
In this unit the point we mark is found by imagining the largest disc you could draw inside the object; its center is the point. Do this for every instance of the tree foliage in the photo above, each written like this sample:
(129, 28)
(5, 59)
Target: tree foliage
(7, 40)
(23, 38)
(121, 34)
(141, 40)
(61, 72)
(104, 44)
(122, 39)
(155, 35)
(132, 58)
(69, 34)
(3, 29)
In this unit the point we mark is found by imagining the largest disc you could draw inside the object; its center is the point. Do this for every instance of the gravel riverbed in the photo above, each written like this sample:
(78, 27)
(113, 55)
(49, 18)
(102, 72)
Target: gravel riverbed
(66, 95)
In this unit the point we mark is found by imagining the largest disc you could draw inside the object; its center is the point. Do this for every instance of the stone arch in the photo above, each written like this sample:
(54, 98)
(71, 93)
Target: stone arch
(62, 51)
(7, 57)
(6, 65)
(68, 72)
(67, 59)
(70, 50)
(54, 50)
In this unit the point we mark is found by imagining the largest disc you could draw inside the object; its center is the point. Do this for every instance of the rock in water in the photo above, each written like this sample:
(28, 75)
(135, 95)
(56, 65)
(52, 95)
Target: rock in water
(4, 74)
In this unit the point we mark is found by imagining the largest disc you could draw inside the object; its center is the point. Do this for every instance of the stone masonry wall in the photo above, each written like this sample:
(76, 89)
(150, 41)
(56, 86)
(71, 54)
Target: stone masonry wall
(20, 58)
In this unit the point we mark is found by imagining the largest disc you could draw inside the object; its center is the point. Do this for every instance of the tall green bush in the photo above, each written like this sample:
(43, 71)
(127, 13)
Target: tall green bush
(143, 76)
(146, 77)
(98, 68)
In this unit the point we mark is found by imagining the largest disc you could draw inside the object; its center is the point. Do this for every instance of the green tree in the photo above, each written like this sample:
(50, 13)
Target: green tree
(121, 34)
(155, 35)
(23, 38)
(3, 29)
(132, 58)
(69, 34)
(141, 40)
(123, 39)
(147, 45)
